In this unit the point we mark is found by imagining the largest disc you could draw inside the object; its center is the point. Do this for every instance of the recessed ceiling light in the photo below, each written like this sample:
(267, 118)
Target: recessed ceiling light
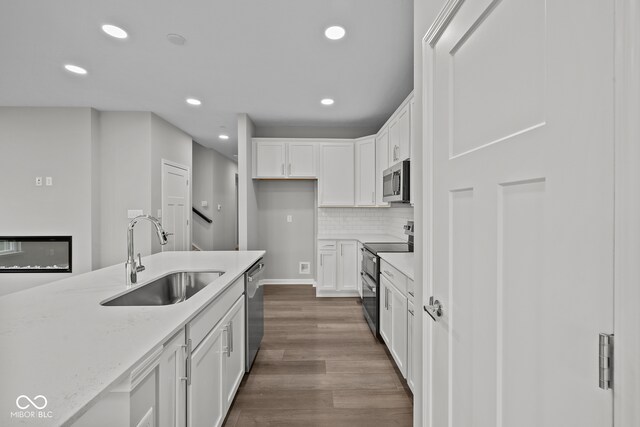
(327, 101)
(176, 39)
(223, 136)
(193, 101)
(334, 33)
(75, 69)
(114, 31)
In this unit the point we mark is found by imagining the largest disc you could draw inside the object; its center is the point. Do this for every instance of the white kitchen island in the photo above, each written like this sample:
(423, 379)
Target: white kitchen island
(58, 342)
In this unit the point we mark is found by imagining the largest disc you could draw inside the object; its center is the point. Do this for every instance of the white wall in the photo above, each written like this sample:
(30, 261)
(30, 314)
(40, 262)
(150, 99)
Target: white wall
(214, 179)
(247, 201)
(287, 243)
(125, 182)
(54, 142)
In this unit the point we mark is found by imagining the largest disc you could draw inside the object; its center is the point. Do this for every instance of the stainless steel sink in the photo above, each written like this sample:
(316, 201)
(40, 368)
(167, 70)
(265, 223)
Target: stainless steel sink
(170, 289)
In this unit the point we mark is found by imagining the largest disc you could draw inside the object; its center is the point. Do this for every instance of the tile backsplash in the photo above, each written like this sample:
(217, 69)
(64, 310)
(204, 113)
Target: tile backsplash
(364, 220)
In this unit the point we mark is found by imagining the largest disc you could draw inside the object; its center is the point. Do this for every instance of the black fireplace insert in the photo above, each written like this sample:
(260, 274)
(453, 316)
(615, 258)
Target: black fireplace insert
(35, 254)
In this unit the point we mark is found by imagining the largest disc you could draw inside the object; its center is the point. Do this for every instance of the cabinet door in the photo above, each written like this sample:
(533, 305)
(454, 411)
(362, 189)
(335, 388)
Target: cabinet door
(366, 172)
(172, 391)
(205, 399)
(270, 159)
(327, 274)
(337, 176)
(410, 369)
(233, 359)
(358, 266)
(385, 311)
(398, 337)
(302, 160)
(348, 266)
(399, 136)
(382, 163)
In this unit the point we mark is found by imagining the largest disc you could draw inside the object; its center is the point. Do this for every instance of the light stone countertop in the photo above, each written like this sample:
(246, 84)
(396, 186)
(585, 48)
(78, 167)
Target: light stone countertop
(56, 340)
(362, 237)
(403, 261)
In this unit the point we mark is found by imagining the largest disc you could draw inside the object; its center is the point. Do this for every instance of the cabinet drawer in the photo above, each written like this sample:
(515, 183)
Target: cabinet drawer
(394, 275)
(214, 312)
(327, 245)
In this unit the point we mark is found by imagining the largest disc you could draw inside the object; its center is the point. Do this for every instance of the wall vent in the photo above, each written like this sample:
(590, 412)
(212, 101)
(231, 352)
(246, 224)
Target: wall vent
(305, 268)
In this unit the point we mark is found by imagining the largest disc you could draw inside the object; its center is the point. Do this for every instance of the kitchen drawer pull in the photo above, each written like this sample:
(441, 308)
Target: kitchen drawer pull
(230, 337)
(187, 376)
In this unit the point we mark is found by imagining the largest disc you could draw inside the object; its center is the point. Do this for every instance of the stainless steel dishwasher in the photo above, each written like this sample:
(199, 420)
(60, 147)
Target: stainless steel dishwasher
(254, 309)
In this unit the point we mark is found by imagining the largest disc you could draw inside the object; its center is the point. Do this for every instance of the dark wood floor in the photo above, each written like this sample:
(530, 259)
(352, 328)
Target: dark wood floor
(319, 365)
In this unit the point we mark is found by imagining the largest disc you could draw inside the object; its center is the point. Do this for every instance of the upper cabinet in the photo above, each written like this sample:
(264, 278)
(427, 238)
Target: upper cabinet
(400, 135)
(270, 158)
(366, 171)
(284, 159)
(382, 163)
(337, 177)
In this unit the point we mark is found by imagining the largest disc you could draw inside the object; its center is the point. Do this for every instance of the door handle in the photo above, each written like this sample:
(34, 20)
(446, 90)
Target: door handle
(434, 309)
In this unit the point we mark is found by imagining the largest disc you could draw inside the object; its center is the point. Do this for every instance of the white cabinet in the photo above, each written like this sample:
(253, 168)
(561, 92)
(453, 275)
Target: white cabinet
(366, 172)
(410, 361)
(339, 268)
(172, 388)
(270, 158)
(217, 367)
(398, 337)
(385, 310)
(301, 158)
(205, 394)
(348, 265)
(284, 159)
(327, 272)
(336, 180)
(400, 136)
(382, 163)
(360, 278)
(393, 314)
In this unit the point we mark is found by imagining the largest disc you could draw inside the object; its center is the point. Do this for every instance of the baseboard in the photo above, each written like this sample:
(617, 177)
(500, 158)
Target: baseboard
(321, 294)
(288, 282)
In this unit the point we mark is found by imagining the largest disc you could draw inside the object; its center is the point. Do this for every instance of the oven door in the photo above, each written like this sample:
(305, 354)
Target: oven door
(370, 302)
(369, 263)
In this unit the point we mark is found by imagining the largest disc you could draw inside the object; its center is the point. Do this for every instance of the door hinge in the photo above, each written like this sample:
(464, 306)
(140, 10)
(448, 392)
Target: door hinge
(606, 361)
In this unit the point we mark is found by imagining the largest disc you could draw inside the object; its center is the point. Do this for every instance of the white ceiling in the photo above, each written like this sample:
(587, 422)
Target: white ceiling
(267, 58)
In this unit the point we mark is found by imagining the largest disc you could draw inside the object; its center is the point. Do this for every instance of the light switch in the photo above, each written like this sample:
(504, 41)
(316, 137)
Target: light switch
(289, 218)
(38, 181)
(159, 214)
(219, 208)
(204, 203)
(132, 213)
(49, 181)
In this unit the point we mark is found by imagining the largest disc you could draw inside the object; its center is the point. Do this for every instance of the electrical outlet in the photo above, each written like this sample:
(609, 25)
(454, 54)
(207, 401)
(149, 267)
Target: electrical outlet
(219, 208)
(204, 203)
(132, 213)
(38, 181)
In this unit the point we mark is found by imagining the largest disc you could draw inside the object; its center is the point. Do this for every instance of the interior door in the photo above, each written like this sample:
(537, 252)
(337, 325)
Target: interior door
(348, 266)
(519, 105)
(175, 207)
(234, 362)
(302, 160)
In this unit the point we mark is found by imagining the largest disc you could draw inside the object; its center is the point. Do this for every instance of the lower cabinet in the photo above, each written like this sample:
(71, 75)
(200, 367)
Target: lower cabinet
(393, 322)
(172, 385)
(339, 268)
(217, 367)
(410, 368)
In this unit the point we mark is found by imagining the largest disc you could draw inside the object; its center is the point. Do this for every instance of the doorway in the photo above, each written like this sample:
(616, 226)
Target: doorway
(176, 200)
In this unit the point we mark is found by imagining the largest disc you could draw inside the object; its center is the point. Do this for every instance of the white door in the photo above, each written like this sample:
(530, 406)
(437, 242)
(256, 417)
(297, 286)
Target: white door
(270, 159)
(385, 310)
(400, 136)
(366, 172)
(172, 392)
(176, 210)
(302, 160)
(337, 176)
(398, 345)
(520, 120)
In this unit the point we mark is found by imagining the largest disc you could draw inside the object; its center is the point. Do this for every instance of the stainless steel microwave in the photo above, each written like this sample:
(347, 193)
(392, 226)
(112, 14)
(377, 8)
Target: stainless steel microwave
(395, 183)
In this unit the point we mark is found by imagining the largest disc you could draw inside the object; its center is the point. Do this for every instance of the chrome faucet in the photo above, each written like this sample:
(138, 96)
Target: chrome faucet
(132, 267)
